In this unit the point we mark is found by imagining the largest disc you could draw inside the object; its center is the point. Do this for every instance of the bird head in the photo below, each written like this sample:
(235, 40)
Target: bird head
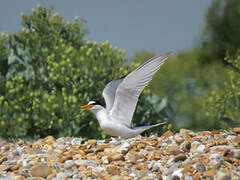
(92, 106)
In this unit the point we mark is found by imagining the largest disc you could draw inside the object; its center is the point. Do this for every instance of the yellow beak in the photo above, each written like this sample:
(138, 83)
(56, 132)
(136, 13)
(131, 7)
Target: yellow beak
(85, 107)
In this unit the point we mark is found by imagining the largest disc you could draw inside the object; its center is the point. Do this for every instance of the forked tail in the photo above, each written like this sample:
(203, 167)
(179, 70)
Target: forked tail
(144, 128)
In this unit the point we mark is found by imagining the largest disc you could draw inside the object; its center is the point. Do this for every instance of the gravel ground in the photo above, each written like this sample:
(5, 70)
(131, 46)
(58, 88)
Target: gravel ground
(184, 155)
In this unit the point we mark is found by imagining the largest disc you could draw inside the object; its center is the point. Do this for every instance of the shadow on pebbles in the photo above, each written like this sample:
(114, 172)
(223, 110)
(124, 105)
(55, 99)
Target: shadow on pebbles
(184, 155)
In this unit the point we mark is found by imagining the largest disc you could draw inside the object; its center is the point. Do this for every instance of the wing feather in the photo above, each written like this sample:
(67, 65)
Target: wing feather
(128, 91)
(109, 92)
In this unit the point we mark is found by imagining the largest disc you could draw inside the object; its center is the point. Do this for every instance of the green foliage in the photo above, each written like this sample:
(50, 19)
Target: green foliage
(51, 72)
(223, 106)
(222, 31)
(3, 61)
(3, 54)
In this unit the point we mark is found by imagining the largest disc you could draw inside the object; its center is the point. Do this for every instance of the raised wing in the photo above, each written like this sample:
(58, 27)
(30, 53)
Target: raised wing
(109, 92)
(130, 88)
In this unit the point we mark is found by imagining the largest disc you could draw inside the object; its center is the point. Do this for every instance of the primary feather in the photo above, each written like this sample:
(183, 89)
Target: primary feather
(129, 89)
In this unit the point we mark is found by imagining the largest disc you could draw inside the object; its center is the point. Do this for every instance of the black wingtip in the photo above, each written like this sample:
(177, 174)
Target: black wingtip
(123, 76)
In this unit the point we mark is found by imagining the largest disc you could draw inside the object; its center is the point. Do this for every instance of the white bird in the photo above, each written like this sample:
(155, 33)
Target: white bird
(121, 98)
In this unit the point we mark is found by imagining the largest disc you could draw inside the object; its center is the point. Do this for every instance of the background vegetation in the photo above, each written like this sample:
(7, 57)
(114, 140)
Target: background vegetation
(48, 69)
(202, 86)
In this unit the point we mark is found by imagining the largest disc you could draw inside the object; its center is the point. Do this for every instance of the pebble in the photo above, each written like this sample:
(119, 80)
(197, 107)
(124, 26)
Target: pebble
(236, 130)
(171, 177)
(76, 141)
(236, 153)
(85, 162)
(69, 164)
(62, 175)
(216, 160)
(168, 134)
(40, 171)
(185, 155)
(188, 177)
(178, 173)
(223, 176)
(180, 157)
(133, 157)
(200, 148)
(124, 148)
(113, 155)
(200, 167)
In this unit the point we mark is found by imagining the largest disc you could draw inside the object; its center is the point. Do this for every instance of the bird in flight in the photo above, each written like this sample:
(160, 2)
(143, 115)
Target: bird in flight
(121, 97)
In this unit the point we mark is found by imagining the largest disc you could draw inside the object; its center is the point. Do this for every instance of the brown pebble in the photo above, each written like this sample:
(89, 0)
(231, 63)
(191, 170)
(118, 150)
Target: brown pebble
(91, 142)
(49, 140)
(157, 155)
(133, 156)
(188, 169)
(5, 148)
(209, 173)
(231, 160)
(215, 132)
(205, 133)
(113, 156)
(185, 131)
(40, 171)
(222, 142)
(168, 134)
(113, 170)
(119, 163)
(187, 146)
(15, 167)
(65, 158)
(224, 152)
(89, 150)
(180, 157)
(236, 130)
(236, 141)
(80, 152)
(101, 148)
(196, 177)
(173, 150)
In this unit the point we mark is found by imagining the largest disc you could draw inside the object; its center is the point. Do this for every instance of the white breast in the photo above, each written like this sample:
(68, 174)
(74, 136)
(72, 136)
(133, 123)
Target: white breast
(108, 125)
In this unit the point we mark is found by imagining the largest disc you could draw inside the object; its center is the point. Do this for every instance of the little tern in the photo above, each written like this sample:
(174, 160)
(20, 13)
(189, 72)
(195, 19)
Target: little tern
(121, 98)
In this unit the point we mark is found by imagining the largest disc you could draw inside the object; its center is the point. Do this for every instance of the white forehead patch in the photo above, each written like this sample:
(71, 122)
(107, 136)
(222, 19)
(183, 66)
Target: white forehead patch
(91, 102)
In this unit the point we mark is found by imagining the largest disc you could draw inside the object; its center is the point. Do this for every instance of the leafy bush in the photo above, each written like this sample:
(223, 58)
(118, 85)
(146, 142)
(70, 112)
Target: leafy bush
(224, 106)
(51, 72)
(221, 33)
(3, 55)
(3, 60)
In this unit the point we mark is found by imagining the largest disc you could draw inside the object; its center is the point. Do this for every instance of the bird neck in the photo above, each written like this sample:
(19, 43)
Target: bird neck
(97, 110)
(101, 115)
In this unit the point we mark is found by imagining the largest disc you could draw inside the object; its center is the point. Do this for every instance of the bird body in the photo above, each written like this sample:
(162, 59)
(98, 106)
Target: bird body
(121, 98)
(112, 126)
